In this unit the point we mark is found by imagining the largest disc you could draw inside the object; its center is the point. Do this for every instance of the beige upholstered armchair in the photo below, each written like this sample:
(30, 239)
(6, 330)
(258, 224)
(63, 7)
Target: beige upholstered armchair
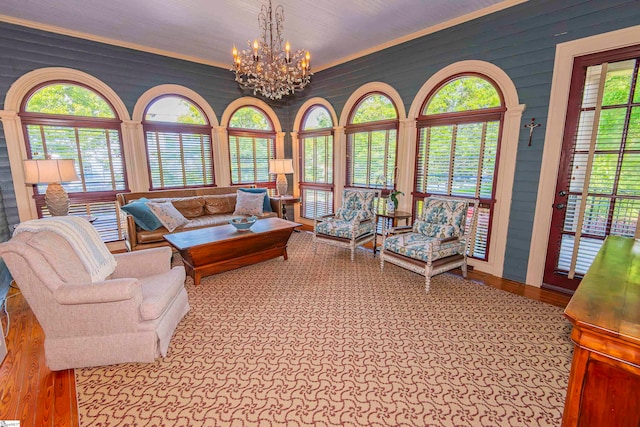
(437, 242)
(128, 316)
(352, 225)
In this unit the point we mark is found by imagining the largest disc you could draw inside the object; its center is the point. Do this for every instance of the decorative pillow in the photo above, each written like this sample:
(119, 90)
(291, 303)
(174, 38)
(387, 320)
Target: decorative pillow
(190, 207)
(249, 203)
(439, 231)
(266, 203)
(168, 215)
(142, 215)
(219, 203)
(352, 214)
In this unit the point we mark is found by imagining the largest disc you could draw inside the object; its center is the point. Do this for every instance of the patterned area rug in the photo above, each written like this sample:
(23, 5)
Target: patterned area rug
(320, 341)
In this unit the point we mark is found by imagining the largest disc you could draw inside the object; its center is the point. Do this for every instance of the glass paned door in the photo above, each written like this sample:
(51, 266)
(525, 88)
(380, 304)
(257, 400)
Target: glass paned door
(598, 188)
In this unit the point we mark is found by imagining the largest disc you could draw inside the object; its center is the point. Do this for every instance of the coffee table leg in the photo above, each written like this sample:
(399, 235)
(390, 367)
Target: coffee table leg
(196, 277)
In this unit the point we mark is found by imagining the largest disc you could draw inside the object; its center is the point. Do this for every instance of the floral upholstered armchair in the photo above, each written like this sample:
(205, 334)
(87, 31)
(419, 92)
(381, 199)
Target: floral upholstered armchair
(352, 225)
(437, 242)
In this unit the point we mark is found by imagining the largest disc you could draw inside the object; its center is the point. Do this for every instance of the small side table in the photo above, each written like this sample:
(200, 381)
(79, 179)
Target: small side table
(282, 202)
(392, 218)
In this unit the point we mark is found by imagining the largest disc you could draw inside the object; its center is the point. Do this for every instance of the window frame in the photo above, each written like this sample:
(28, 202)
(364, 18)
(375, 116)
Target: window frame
(316, 186)
(456, 118)
(254, 134)
(63, 120)
(385, 125)
(179, 128)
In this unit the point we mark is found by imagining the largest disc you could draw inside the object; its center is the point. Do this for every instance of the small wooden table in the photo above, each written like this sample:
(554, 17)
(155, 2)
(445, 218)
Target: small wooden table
(282, 202)
(604, 384)
(212, 250)
(393, 218)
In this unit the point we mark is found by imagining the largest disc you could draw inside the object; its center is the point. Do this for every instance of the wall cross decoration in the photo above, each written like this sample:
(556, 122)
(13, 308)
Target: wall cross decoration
(532, 125)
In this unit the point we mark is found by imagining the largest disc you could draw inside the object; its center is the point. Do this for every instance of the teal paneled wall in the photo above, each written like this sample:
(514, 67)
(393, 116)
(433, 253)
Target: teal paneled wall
(128, 72)
(521, 40)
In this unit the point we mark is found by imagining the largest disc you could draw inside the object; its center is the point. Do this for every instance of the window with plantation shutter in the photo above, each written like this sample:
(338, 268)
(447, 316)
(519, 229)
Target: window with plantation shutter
(598, 191)
(252, 142)
(65, 120)
(458, 142)
(316, 162)
(178, 142)
(372, 138)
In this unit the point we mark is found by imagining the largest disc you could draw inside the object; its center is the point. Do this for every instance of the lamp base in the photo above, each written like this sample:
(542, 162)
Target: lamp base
(281, 184)
(57, 200)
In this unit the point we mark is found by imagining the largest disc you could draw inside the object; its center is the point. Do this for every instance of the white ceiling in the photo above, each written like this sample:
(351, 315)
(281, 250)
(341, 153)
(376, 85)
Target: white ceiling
(205, 30)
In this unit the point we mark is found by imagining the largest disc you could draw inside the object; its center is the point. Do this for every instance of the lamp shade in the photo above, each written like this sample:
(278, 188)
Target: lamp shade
(279, 166)
(49, 171)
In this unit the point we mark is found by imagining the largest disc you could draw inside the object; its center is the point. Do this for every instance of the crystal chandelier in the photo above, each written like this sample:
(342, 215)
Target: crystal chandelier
(265, 67)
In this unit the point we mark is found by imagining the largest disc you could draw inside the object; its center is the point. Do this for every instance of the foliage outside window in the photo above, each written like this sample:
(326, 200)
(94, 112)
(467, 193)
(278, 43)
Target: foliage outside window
(605, 199)
(316, 161)
(64, 120)
(252, 142)
(178, 142)
(458, 145)
(372, 134)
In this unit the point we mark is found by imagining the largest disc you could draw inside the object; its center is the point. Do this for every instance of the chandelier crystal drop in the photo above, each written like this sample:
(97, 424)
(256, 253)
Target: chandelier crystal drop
(267, 68)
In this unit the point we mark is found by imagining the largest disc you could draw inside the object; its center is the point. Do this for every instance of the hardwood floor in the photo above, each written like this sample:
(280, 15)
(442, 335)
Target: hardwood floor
(33, 394)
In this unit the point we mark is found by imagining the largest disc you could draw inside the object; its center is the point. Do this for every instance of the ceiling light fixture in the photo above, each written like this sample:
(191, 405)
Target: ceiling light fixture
(265, 67)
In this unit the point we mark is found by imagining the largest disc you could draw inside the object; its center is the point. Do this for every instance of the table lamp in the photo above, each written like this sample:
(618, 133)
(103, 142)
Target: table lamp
(280, 167)
(52, 172)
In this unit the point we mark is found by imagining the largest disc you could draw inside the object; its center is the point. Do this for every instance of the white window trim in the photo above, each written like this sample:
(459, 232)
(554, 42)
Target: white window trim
(508, 152)
(141, 180)
(297, 124)
(16, 145)
(340, 140)
(560, 84)
(223, 135)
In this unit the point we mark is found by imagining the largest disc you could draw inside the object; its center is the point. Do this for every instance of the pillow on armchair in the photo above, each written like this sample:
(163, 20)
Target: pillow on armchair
(352, 214)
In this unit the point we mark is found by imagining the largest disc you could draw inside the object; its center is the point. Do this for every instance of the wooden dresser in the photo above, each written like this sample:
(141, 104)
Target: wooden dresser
(604, 385)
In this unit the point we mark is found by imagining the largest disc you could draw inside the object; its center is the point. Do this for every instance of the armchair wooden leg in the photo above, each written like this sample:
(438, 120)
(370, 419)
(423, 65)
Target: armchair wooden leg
(427, 282)
(463, 267)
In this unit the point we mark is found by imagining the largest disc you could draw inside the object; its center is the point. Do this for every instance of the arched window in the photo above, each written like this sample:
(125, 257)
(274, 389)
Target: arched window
(458, 144)
(316, 162)
(252, 142)
(67, 120)
(372, 137)
(178, 142)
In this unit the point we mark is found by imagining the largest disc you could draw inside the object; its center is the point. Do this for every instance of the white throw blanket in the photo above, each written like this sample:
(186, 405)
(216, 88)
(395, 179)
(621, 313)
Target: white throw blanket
(83, 238)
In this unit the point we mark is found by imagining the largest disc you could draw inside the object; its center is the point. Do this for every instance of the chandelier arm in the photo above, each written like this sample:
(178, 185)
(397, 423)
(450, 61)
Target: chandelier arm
(280, 72)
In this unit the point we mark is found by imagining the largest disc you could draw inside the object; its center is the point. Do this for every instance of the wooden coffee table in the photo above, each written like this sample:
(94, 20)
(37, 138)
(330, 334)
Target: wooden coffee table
(212, 250)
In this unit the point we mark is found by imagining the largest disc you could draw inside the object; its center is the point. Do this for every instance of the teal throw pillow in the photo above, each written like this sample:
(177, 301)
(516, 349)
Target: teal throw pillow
(142, 215)
(266, 204)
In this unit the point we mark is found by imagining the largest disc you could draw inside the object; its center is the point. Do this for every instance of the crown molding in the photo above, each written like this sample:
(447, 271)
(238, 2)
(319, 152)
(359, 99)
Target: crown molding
(430, 30)
(106, 40)
(115, 42)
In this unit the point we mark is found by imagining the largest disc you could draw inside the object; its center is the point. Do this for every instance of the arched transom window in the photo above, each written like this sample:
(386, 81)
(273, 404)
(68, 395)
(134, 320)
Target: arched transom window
(252, 142)
(458, 143)
(178, 142)
(316, 162)
(66, 120)
(372, 137)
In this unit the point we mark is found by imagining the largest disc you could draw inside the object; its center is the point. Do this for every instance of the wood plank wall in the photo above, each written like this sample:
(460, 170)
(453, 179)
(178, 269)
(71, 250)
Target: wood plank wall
(521, 40)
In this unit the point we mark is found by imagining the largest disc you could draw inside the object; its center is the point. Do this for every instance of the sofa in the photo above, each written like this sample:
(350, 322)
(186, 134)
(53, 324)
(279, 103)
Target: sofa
(201, 207)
